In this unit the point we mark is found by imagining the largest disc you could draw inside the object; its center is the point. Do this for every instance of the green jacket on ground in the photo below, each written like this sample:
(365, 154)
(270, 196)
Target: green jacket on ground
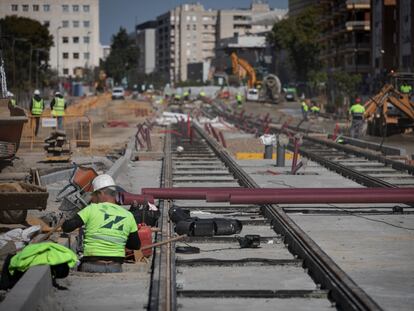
(38, 254)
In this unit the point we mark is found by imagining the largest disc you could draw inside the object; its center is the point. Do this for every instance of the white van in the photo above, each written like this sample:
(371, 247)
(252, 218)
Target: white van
(253, 95)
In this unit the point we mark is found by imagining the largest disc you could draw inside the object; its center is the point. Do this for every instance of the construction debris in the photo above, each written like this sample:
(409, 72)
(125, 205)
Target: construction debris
(57, 147)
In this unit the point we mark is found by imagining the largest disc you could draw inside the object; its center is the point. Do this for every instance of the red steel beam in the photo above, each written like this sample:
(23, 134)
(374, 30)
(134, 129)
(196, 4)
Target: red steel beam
(312, 198)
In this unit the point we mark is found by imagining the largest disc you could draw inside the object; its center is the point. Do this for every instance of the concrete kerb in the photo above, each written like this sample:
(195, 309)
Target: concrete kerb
(26, 294)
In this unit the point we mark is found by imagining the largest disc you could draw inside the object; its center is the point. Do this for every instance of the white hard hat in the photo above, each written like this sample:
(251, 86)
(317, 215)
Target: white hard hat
(103, 181)
(180, 149)
(36, 92)
(9, 94)
(57, 93)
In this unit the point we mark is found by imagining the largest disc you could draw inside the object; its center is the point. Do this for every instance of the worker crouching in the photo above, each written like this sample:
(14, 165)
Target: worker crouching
(109, 228)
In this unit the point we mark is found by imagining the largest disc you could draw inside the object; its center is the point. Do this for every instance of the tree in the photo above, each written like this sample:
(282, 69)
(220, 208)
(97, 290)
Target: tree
(123, 57)
(298, 36)
(25, 43)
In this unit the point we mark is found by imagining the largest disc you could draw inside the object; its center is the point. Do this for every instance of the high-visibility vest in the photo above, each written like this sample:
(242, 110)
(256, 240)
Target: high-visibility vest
(186, 93)
(45, 253)
(406, 88)
(177, 96)
(13, 102)
(59, 107)
(357, 110)
(202, 94)
(315, 109)
(107, 227)
(37, 107)
(239, 97)
(305, 106)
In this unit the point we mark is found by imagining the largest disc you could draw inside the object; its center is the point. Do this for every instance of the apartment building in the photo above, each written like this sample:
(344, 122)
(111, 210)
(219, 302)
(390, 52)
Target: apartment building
(190, 34)
(345, 36)
(406, 35)
(74, 25)
(185, 35)
(145, 39)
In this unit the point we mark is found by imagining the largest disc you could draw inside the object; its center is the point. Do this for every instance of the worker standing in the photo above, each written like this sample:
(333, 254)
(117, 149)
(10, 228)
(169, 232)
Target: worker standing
(109, 228)
(12, 100)
(58, 107)
(239, 99)
(186, 95)
(37, 106)
(356, 112)
(305, 109)
(315, 109)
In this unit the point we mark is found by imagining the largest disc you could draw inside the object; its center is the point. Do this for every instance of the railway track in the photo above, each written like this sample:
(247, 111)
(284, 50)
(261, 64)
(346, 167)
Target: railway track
(365, 167)
(288, 269)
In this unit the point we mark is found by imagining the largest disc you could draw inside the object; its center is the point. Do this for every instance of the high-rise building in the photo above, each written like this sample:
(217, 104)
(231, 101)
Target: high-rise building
(145, 39)
(406, 35)
(384, 36)
(190, 34)
(74, 25)
(345, 35)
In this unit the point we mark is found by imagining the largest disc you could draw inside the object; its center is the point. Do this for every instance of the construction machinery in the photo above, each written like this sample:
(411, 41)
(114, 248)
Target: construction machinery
(391, 111)
(268, 89)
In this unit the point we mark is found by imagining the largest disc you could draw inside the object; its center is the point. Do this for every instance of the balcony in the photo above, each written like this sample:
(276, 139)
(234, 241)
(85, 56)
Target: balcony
(358, 25)
(358, 4)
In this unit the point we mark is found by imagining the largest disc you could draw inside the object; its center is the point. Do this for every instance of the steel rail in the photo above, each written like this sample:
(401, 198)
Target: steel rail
(343, 290)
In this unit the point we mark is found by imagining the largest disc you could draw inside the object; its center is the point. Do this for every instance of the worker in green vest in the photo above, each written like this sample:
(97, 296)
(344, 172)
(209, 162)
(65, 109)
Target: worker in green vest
(239, 99)
(315, 109)
(356, 112)
(202, 94)
(305, 108)
(109, 228)
(405, 88)
(12, 100)
(186, 95)
(37, 106)
(58, 107)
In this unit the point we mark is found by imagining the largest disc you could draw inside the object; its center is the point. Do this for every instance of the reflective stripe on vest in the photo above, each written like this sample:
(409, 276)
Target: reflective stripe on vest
(59, 107)
(37, 107)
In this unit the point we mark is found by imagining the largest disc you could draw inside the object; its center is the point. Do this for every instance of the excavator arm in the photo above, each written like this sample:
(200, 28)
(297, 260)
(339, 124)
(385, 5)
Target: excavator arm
(238, 62)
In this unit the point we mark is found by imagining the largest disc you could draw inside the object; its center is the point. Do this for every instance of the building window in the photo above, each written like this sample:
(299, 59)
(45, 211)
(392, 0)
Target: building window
(65, 71)
(35, 8)
(86, 39)
(188, 27)
(86, 8)
(46, 7)
(65, 39)
(76, 55)
(75, 8)
(14, 7)
(65, 8)
(86, 55)
(86, 24)
(25, 7)
(75, 24)
(65, 55)
(65, 24)
(75, 39)
(46, 24)
(194, 27)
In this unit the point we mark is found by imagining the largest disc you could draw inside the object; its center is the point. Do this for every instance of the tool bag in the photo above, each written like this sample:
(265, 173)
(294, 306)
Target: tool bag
(145, 213)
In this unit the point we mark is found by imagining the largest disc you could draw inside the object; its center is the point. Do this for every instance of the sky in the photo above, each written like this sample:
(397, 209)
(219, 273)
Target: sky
(125, 13)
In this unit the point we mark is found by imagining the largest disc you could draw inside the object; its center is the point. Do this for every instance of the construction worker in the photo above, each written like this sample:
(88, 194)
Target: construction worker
(406, 88)
(239, 99)
(356, 112)
(177, 98)
(109, 228)
(12, 101)
(186, 95)
(37, 106)
(202, 94)
(305, 109)
(315, 109)
(58, 107)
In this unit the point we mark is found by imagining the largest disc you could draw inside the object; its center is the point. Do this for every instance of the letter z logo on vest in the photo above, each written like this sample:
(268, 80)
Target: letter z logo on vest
(113, 222)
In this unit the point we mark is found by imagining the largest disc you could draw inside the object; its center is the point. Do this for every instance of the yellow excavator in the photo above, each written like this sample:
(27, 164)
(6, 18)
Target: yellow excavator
(391, 111)
(241, 68)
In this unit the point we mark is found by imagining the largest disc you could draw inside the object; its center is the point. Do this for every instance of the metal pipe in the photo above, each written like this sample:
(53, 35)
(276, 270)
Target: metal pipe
(321, 198)
(126, 198)
(295, 154)
(280, 154)
(223, 142)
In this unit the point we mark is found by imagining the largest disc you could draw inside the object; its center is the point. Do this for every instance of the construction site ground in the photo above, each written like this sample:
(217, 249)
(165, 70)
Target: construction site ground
(380, 263)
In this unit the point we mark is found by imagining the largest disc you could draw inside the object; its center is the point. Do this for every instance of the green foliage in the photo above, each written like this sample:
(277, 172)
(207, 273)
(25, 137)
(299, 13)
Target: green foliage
(123, 56)
(298, 35)
(25, 36)
(347, 83)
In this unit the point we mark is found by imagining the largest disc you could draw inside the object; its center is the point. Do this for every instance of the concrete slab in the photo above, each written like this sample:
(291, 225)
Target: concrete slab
(214, 304)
